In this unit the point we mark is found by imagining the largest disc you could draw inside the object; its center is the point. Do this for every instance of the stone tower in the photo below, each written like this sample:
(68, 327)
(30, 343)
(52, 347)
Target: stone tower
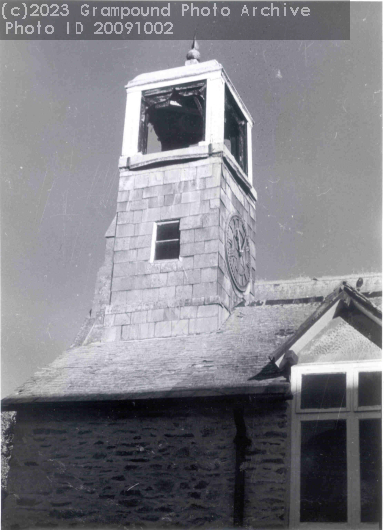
(181, 249)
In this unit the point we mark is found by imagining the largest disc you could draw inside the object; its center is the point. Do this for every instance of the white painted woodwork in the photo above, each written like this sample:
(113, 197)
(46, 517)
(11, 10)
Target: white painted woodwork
(351, 413)
(249, 151)
(216, 78)
(215, 106)
(132, 124)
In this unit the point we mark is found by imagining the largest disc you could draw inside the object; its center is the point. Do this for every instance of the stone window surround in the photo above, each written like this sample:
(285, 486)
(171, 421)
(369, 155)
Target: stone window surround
(351, 413)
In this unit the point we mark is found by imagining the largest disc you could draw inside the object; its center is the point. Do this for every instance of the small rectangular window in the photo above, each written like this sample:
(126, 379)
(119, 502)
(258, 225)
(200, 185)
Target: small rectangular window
(167, 245)
(369, 391)
(323, 391)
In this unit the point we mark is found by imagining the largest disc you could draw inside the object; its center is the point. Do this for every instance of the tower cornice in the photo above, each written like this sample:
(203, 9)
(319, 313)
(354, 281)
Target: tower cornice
(184, 74)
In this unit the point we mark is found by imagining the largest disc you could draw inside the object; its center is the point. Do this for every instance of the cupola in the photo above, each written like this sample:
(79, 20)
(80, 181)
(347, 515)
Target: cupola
(193, 109)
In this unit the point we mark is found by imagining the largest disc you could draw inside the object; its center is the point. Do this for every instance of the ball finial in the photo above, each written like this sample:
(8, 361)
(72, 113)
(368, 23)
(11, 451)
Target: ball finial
(193, 56)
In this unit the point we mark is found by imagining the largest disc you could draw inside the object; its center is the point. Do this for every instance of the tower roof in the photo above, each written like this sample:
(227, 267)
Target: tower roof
(188, 70)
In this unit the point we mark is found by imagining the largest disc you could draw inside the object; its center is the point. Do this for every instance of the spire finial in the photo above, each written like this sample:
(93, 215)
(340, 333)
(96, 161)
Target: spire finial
(193, 56)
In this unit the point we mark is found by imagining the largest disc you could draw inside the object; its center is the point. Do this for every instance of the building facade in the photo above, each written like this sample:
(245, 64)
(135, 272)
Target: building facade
(194, 395)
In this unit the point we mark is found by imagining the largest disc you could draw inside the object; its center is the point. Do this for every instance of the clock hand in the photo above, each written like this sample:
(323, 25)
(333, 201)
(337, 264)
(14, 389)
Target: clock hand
(238, 240)
(236, 237)
(243, 245)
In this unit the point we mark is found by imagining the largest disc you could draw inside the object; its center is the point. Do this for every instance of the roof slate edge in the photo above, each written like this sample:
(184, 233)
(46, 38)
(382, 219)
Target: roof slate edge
(277, 390)
(360, 299)
(301, 288)
(321, 279)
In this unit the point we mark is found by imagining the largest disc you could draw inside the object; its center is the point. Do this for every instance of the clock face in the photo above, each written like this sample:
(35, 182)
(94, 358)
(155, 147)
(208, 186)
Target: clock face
(238, 252)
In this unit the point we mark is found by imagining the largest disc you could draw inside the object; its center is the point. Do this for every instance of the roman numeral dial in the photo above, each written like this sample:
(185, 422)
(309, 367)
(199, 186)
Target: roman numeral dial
(238, 252)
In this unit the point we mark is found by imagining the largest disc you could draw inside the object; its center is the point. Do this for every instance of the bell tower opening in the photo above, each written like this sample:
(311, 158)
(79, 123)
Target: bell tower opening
(235, 130)
(172, 118)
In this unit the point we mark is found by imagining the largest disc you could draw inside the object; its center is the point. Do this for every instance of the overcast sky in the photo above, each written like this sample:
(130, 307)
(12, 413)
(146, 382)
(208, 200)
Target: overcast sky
(316, 151)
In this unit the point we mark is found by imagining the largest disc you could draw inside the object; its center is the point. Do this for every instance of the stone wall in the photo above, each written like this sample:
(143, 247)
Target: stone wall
(8, 421)
(267, 467)
(143, 299)
(173, 466)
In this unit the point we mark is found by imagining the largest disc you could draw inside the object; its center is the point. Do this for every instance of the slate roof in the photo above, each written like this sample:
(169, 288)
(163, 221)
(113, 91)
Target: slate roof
(213, 364)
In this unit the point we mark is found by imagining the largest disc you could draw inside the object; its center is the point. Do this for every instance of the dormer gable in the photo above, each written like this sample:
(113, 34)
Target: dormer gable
(346, 326)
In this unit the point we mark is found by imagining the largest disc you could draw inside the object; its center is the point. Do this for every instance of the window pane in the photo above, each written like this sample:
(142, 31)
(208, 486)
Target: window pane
(369, 389)
(323, 391)
(323, 471)
(168, 231)
(370, 470)
(167, 250)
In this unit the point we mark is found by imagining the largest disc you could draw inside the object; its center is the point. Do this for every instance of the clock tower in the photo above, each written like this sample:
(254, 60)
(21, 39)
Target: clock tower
(181, 249)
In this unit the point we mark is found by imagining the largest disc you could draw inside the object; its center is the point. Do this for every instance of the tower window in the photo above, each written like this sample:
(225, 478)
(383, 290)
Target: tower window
(167, 243)
(172, 117)
(235, 130)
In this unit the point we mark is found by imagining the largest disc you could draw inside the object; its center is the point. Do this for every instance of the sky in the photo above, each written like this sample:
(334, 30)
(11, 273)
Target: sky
(316, 151)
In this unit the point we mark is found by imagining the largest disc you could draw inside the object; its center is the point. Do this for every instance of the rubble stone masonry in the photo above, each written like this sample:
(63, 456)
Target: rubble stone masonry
(170, 466)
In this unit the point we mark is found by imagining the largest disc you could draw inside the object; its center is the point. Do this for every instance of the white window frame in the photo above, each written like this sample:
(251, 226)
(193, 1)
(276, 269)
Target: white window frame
(356, 393)
(324, 369)
(352, 413)
(154, 240)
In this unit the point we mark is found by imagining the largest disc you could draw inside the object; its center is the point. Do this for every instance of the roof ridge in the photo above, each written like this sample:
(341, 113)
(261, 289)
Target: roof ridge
(307, 279)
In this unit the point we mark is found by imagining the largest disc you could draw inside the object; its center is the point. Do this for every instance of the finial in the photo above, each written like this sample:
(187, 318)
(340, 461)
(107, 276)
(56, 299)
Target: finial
(193, 56)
